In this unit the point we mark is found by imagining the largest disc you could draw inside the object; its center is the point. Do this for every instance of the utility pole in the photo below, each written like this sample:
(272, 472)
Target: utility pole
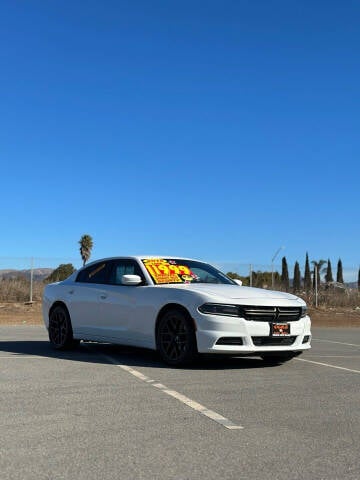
(31, 279)
(316, 285)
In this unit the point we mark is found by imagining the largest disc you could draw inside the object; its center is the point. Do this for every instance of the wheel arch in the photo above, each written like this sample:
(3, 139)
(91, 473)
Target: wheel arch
(58, 303)
(173, 306)
(66, 340)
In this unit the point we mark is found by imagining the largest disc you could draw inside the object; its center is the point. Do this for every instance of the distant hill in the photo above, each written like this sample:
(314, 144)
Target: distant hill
(39, 274)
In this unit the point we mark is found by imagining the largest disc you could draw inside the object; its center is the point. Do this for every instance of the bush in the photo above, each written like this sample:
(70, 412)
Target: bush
(63, 271)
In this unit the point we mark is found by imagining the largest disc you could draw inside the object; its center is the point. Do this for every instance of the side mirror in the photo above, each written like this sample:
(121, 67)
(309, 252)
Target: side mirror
(131, 280)
(239, 282)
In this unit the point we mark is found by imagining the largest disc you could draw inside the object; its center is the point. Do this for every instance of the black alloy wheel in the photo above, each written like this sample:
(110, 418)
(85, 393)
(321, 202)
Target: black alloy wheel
(175, 338)
(60, 330)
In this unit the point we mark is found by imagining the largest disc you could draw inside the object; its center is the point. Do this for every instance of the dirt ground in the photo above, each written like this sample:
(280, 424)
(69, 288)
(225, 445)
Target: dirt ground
(20, 314)
(30, 314)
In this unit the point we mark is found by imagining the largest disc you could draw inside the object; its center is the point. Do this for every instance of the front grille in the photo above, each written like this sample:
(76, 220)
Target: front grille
(272, 341)
(270, 314)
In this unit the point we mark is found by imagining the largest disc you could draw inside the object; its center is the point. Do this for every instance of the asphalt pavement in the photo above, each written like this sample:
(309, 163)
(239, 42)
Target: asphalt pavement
(109, 412)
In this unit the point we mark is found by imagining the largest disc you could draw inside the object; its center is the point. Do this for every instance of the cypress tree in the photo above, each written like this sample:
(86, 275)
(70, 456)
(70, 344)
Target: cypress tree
(285, 275)
(307, 276)
(297, 278)
(339, 274)
(359, 280)
(329, 275)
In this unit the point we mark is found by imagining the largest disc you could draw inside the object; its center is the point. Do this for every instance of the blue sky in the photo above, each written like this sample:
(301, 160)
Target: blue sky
(216, 130)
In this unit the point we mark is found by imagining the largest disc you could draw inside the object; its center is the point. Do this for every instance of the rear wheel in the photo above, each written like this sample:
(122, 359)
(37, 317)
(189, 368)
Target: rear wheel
(60, 329)
(175, 338)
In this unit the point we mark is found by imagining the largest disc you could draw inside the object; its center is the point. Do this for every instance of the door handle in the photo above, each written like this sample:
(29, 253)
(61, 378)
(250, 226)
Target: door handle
(103, 296)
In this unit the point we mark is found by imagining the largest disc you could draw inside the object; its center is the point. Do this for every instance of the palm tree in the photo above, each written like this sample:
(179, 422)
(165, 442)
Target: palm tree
(86, 245)
(318, 267)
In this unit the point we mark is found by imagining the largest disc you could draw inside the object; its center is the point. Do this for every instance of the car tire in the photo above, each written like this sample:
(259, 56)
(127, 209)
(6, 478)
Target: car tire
(277, 359)
(175, 338)
(60, 329)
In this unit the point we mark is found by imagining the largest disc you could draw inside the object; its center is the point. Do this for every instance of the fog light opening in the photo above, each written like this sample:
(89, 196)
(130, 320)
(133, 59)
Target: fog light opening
(230, 341)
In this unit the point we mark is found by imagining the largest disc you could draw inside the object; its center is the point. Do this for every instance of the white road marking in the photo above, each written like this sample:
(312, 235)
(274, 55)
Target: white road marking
(333, 356)
(216, 417)
(327, 365)
(22, 356)
(332, 341)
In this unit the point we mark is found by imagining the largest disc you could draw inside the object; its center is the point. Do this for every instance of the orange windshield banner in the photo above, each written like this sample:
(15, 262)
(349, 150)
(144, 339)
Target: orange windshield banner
(166, 271)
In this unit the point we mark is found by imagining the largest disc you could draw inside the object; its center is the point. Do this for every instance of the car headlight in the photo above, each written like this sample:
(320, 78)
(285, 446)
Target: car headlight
(220, 309)
(303, 311)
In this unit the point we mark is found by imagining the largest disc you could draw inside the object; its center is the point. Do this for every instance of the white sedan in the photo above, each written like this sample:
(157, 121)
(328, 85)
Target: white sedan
(179, 307)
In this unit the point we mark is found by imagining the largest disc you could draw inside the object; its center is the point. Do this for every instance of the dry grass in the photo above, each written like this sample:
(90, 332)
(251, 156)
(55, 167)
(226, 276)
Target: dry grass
(16, 313)
(334, 317)
(335, 309)
(346, 298)
(18, 290)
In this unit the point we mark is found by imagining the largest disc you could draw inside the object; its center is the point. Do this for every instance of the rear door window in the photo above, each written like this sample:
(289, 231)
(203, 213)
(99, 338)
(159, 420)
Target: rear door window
(97, 273)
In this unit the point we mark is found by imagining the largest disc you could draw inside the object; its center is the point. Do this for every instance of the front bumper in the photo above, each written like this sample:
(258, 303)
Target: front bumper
(221, 334)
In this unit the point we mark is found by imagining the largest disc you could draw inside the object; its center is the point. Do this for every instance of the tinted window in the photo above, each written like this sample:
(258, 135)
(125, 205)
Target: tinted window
(94, 274)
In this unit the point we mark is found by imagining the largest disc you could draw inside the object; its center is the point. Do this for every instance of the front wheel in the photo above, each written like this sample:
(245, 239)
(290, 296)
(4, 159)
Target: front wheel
(175, 338)
(60, 329)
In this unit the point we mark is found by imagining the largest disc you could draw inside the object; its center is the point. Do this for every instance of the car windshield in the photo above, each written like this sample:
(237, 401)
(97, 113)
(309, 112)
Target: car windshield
(167, 270)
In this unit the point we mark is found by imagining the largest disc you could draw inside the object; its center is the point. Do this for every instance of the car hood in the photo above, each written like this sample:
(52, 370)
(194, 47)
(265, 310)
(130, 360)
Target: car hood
(238, 293)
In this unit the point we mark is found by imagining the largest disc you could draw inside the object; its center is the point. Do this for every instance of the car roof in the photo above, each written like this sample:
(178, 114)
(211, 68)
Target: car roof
(139, 257)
